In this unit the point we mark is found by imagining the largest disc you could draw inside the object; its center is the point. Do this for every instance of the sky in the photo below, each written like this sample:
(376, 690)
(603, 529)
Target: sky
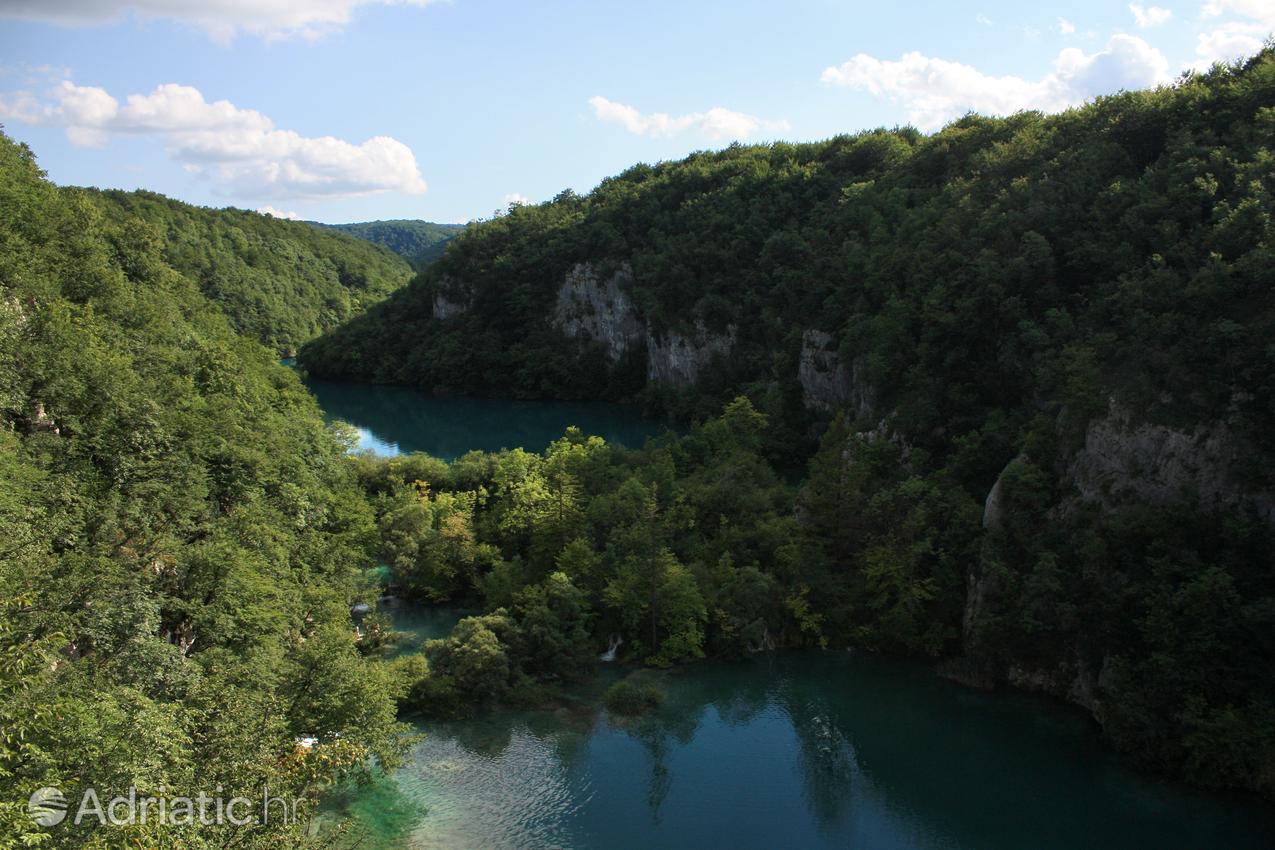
(450, 110)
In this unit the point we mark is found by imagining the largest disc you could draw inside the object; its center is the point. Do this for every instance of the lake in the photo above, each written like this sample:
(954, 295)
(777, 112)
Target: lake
(393, 420)
(788, 750)
(804, 749)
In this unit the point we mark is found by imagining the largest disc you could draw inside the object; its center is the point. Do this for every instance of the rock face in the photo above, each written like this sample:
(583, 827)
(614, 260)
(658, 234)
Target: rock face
(1125, 461)
(827, 383)
(600, 310)
(449, 299)
(678, 359)
(825, 380)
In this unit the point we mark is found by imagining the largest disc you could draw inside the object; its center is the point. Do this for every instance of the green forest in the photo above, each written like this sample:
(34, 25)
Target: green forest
(1017, 300)
(280, 282)
(419, 242)
(1019, 306)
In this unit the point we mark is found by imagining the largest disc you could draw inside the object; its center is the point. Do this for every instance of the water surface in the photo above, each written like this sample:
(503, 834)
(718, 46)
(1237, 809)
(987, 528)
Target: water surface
(808, 750)
(393, 420)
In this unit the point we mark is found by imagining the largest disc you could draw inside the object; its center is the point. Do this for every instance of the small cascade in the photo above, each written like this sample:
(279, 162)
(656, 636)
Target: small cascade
(766, 644)
(609, 655)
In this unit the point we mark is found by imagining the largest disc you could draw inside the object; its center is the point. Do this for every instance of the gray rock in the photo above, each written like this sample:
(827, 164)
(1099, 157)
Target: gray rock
(828, 383)
(450, 298)
(676, 359)
(593, 309)
(1124, 461)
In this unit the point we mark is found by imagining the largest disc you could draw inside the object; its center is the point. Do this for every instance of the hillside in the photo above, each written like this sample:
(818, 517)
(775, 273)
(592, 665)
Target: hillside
(419, 242)
(182, 535)
(1034, 351)
(281, 282)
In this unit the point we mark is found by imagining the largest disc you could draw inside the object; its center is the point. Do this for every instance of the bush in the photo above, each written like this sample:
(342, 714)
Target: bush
(629, 699)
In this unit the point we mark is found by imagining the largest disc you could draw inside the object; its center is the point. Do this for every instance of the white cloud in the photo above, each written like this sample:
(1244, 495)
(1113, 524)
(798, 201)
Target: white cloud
(239, 149)
(1065, 26)
(935, 91)
(1231, 40)
(1227, 43)
(984, 20)
(716, 123)
(221, 19)
(1150, 16)
(271, 211)
(1262, 11)
(514, 198)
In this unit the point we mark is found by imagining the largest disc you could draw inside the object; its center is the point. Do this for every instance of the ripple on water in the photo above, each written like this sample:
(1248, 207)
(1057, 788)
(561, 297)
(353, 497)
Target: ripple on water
(518, 797)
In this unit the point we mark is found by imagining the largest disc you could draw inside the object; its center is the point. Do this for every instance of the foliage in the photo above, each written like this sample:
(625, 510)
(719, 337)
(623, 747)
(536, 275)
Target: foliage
(180, 538)
(990, 290)
(281, 282)
(418, 242)
(629, 699)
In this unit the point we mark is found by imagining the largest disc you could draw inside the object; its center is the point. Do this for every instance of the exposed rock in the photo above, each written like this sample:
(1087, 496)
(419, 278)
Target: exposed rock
(1125, 461)
(1073, 681)
(994, 505)
(677, 359)
(597, 310)
(449, 298)
(40, 420)
(828, 383)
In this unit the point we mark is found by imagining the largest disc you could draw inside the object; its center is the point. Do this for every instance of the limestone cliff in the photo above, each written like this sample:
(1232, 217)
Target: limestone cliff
(450, 298)
(600, 310)
(676, 359)
(827, 382)
(1124, 460)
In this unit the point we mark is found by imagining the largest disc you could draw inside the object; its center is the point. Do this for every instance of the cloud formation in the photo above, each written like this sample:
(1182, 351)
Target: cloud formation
(239, 149)
(935, 91)
(275, 213)
(221, 19)
(1234, 39)
(717, 123)
(1149, 16)
(1262, 11)
(515, 198)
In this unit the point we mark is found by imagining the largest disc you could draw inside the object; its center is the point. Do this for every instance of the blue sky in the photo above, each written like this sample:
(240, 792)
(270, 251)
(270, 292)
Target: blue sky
(349, 110)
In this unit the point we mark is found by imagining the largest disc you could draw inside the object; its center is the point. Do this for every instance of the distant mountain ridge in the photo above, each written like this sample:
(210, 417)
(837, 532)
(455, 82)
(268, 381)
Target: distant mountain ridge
(420, 242)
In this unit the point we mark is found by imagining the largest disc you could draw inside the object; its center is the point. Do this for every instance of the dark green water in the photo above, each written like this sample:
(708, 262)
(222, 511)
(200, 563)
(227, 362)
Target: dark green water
(391, 420)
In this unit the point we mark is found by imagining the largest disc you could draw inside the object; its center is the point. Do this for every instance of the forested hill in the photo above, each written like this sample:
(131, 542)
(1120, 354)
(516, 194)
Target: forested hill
(419, 242)
(1001, 264)
(181, 536)
(1035, 352)
(281, 282)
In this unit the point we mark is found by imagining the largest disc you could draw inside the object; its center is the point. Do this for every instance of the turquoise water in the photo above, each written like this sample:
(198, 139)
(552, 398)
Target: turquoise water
(415, 624)
(808, 750)
(393, 420)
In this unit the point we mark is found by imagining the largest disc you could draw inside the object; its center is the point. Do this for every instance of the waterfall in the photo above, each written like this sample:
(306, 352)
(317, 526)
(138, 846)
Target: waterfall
(609, 655)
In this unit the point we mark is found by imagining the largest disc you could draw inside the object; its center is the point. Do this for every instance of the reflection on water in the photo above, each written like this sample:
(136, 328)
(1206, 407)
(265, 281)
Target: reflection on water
(800, 750)
(391, 420)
